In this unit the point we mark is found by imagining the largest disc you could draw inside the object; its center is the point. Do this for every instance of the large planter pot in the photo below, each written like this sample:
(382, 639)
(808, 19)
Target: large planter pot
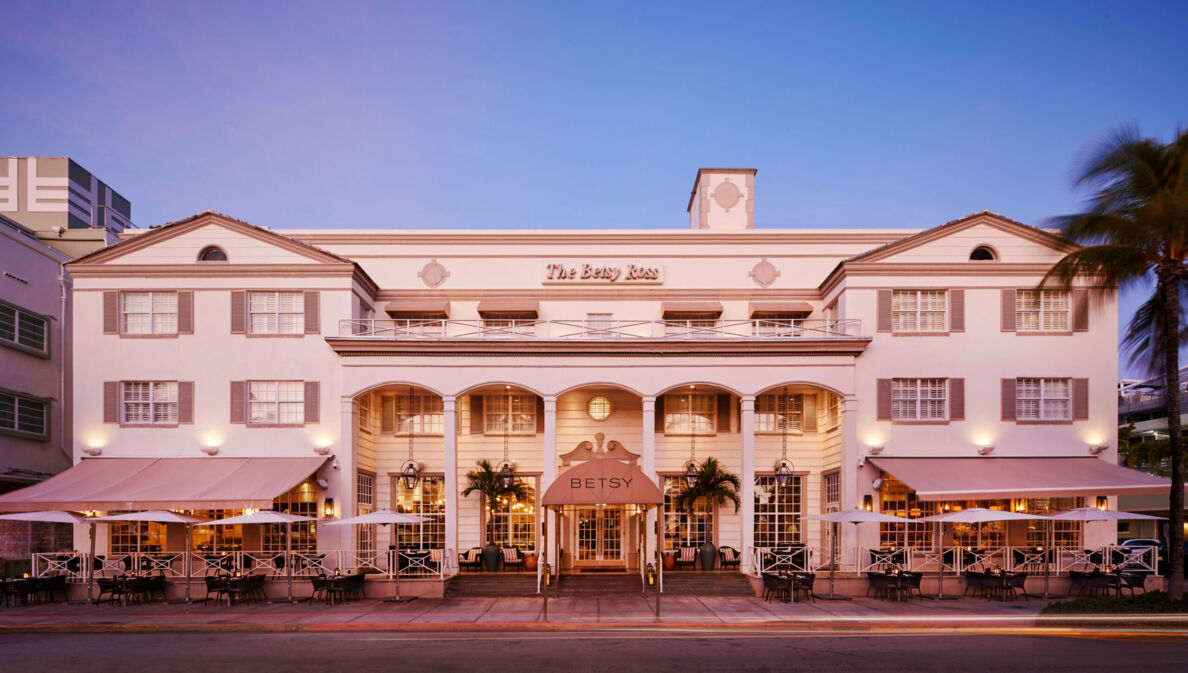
(491, 556)
(709, 556)
(669, 561)
(529, 561)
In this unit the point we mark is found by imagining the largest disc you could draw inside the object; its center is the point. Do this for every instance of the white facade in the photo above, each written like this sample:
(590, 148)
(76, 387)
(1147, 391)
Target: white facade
(721, 309)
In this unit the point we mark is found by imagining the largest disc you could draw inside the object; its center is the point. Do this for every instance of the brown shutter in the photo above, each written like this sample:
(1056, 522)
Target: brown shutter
(956, 310)
(238, 401)
(1080, 399)
(476, 414)
(313, 402)
(313, 320)
(111, 312)
(539, 414)
(387, 414)
(1080, 308)
(185, 401)
(1009, 401)
(883, 401)
(1008, 310)
(185, 312)
(723, 423)
(956, 399)
(111, 401)
(659, 413)
(238, 312)
(884, 320)
(809, 405)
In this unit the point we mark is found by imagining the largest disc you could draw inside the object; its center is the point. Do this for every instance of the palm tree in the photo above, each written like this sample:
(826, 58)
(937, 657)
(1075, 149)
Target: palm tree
(1136, 229)
(485, 481)
(714, 484)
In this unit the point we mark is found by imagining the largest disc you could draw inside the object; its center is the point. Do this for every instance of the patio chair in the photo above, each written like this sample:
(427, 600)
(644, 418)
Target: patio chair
(728, 556)
(909, 582)
(436, 557)
(1015, 585)
(513, 558)
(1078, 583)
(353, 586)
(802, 584)
(776, 587)
(686, 556)
(214, 585)
(51, 585)
(976, 583)
(472, 558)
(321, 588)
(1133, 581)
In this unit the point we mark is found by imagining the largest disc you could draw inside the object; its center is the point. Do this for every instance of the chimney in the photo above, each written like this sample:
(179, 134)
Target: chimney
(723, 198)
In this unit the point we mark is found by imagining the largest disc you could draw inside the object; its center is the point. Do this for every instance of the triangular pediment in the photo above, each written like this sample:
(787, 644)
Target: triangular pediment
(181, 242)
(952, 242)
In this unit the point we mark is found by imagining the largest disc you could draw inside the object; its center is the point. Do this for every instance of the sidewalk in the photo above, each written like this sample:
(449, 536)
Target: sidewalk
(525, 614)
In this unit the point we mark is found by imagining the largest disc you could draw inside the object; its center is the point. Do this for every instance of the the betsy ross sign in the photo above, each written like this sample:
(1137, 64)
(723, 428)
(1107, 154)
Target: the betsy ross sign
(602, 482)
(634, 273)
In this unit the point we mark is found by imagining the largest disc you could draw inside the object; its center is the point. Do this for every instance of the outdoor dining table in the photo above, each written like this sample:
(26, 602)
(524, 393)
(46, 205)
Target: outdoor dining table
(20, 588)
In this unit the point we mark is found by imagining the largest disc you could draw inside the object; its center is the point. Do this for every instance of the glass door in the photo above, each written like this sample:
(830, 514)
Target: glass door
(599, 536)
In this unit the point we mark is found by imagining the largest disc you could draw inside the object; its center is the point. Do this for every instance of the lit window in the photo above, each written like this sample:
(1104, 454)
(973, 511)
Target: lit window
(1041, 311)
(22, 328)
(775, 413)
(23, 414)
(918, 311)
(363, 409)
(277, 402)
(918, 399)
(418, 414)
(426, 499)
(682, 529)
(599, 407)
(276, 312)
(150, 312)
(509, 413)
(777, 512)
(834, 410)
(365, 502)
(690, 413)
(515, 520)
(1043, 399)
(149, 402)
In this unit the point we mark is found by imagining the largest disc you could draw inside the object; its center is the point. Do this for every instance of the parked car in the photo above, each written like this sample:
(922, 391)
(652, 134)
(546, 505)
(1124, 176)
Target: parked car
(1161, 552)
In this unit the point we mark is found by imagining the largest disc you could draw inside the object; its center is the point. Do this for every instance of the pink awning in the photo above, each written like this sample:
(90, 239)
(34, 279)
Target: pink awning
(165, 483)
(781, 307)
(529, 307)
(423, 307)
(690, 307)
(989, 478)
(602, 481)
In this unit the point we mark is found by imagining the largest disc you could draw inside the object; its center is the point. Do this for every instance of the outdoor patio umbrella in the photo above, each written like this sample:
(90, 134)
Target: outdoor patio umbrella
(268, 516)
(854, 516)
(56, 516)
(968, 515)
(384, 517)
(1090, 514)
(161, 516)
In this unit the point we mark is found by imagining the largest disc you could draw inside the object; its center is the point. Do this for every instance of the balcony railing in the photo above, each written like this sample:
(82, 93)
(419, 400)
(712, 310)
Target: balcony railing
(604, 330)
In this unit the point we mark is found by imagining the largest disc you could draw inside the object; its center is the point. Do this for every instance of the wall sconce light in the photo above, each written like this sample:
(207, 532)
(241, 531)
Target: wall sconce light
(985, 450)
(92, 451)
(322, 450)
(651, 573)
(1094, 450)
(1103, 502)
(328, 508)
(210, 450)
(868, 503)
(874, 449)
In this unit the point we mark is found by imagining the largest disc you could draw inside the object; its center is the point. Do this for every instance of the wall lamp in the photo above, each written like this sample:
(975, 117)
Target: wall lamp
(328, 508)
(1103, 502)
(868, 503)
(1096, 449)
(985, 450)
(210, 450)
(874, 449)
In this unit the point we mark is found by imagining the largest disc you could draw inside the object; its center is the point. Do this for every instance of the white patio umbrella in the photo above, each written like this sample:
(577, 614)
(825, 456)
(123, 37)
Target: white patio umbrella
(1091, 514)
(56, 516)
(384, 517)
(968, 515)
(161, 516)
(856, 515)
(268, 516)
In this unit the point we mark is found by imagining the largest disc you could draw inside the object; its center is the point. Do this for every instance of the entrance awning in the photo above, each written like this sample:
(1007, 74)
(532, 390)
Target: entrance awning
(602, 482)
(165, 483)
(989, 478)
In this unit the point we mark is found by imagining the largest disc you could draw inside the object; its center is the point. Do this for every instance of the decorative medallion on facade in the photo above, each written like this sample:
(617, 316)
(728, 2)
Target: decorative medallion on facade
(727, 195)
(764, 273)
(433, 274)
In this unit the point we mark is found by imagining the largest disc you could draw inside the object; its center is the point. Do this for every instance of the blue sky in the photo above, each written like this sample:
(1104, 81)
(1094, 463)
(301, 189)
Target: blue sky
(575, 115)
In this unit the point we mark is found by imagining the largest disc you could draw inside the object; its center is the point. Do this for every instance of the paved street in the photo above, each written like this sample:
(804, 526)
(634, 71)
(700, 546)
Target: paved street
(882, 650)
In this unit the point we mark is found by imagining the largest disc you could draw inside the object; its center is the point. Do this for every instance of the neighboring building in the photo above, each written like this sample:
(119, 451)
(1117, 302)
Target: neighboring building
(69, 208)
(1141, 404)
(905, 371)
(35, 385)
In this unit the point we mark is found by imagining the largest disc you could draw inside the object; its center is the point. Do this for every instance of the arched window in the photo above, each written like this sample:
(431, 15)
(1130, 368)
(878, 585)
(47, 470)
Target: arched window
(212, 254)
(982, 253)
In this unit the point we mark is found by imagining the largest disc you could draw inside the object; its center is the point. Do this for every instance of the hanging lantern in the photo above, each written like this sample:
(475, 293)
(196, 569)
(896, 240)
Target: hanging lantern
(691, 474)
(783, 475)
(410, 474)
(506, 477)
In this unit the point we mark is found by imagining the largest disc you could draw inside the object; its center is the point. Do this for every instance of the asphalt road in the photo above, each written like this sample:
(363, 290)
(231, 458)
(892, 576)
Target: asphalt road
(727, 651)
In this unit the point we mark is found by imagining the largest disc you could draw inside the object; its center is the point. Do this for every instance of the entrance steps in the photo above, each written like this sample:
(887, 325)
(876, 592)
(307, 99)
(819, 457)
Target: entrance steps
(599, 584)
(491, 584)
(710, 583)
(595, 584)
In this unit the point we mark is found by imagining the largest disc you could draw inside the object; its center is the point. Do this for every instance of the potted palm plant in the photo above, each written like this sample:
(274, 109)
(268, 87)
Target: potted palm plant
(717, 487)
(485, 481)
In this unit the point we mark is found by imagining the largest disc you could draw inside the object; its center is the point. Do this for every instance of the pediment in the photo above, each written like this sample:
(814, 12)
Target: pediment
(588, 450)
(952, 242)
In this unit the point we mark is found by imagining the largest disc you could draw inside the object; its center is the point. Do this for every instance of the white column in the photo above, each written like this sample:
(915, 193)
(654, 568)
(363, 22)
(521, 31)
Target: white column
(747, 423)
(450, 450)
(851, 478)
(652, 540)
(549, 472)
(342, 481)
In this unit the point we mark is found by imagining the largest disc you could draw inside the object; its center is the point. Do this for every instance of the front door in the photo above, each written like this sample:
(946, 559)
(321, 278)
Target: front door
(599, 536)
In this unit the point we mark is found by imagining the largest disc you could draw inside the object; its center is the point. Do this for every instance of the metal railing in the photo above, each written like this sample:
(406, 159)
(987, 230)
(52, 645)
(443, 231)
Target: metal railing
(414, 563)
(677, 330)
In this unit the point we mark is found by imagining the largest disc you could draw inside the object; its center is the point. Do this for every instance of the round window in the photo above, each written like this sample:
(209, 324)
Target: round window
(599, 407)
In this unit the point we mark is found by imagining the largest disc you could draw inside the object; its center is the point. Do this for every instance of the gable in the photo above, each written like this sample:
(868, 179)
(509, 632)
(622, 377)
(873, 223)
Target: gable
(185, 247)
(951, 243)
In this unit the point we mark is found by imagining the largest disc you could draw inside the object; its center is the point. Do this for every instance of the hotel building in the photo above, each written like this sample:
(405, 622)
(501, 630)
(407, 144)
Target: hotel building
(906, 371)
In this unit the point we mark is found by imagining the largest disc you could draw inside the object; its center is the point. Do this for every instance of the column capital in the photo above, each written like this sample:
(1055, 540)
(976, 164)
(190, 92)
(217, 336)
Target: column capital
(448, 400)
(550, 403)
(748, 402)
(649, 402)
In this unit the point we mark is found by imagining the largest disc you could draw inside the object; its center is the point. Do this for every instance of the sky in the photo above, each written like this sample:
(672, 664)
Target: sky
(586, 115)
